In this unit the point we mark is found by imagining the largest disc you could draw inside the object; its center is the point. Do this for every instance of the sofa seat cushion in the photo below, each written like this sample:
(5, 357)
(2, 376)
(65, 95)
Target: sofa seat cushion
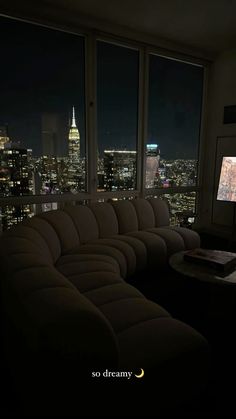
(105, 250)
(191, 238)
(122, 247)
(174, 241)
(112, 293)
(69, 325)
(173, 355)
(130, 311)
(27, 281)
(75, 264)
(156, 248)
(139, 248)
(25, 259)
(91, 281)
(157, 341)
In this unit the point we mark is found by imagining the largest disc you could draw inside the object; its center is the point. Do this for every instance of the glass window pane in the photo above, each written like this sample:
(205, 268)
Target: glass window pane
(117, 101)
(174, 113)
(182, 208)
(42, 113)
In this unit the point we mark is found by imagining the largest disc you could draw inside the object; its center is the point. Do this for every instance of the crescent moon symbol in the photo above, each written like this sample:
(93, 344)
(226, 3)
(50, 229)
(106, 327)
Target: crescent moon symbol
(140, 375)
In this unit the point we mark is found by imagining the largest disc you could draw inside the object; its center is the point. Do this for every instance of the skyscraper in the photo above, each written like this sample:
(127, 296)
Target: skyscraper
(74, 140)
(76, 164)
(4, 138)
(119, 170)
(152, 165)
(15, 180)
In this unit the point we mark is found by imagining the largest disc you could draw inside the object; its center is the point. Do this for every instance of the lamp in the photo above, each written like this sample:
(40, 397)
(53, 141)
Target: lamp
(227, 184)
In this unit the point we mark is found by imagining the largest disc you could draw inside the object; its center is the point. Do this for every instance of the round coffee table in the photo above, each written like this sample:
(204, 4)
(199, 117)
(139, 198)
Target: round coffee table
(220, 291)
(200, 272)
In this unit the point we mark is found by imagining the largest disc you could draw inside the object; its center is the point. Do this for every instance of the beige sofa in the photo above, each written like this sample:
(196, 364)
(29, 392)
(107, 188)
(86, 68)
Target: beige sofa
(64, 288)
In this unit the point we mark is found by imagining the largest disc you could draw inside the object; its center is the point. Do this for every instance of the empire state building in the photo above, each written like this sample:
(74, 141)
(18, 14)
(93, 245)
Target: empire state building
(74, 140)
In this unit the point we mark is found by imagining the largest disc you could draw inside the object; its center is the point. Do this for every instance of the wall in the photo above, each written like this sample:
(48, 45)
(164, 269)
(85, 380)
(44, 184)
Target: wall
(220, 139)
(66, 16)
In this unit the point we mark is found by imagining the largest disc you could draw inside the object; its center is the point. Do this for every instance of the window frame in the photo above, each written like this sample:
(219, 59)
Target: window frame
(91, 36)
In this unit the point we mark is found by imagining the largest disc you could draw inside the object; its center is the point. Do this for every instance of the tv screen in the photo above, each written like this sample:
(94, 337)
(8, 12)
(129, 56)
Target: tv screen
(227, 182)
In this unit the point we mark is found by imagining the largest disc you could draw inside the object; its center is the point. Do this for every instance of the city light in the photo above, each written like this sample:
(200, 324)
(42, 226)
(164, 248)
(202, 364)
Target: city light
(21, 173)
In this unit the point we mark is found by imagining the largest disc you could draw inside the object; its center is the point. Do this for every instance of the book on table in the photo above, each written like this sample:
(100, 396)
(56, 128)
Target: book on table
(217, 259)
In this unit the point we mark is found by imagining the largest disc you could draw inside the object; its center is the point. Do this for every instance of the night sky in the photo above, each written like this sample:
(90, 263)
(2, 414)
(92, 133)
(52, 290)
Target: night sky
(117, 96)
(42, 72)
(175, 96)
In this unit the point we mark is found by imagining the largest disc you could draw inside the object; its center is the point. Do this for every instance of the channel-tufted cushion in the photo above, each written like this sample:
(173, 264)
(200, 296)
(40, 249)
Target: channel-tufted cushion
(63, 276)
(106, 219)
(64, 228)
(85, 222)
(155, 245)
(161, 211)
(126, 216)
(191, 238)
(174, 241)
(145, 214)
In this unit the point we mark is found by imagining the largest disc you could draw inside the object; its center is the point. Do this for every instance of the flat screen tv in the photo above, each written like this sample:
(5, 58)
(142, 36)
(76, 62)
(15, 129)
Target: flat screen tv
(227, 181)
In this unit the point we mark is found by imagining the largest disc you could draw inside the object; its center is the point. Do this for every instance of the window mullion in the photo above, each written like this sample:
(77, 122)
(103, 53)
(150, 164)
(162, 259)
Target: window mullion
(144, 118)
(91, 116)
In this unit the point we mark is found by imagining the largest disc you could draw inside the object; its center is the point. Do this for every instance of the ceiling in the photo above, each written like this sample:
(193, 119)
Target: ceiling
(209, 25)
(205, 24)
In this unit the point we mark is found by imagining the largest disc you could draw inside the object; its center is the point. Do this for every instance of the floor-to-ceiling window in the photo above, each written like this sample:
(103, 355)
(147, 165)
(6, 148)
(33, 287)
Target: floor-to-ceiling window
(76, 113)
(42, 115)
(117, 116)
(174, 116)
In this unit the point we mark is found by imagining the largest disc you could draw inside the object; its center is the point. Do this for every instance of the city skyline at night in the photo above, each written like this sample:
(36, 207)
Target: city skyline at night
(43, 119)
(45, 75)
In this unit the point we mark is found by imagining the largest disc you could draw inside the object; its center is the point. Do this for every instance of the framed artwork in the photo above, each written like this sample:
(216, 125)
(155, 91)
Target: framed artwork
(224, 193)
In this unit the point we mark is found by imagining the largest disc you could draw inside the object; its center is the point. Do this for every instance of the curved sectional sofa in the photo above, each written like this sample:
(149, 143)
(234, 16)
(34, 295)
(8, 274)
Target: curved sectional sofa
(64, 287)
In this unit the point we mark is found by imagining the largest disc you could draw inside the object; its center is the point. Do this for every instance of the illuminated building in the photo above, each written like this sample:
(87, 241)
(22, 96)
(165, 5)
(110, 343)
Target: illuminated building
(76, 165)
(74, 140)
(119, 170)
(152, 165)
(100, 172)
(4, 138)
(15, 180)
(50, 175)
(15, 161)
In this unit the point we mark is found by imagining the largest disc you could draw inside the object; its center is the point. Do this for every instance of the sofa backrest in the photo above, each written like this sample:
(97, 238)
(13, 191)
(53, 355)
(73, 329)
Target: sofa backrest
(161, 212)
(126, 216)
(64, 227)
(23, 247)
(106, 218)
(84, 221)
(48, 234)
(145, 214)
(53, 233)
